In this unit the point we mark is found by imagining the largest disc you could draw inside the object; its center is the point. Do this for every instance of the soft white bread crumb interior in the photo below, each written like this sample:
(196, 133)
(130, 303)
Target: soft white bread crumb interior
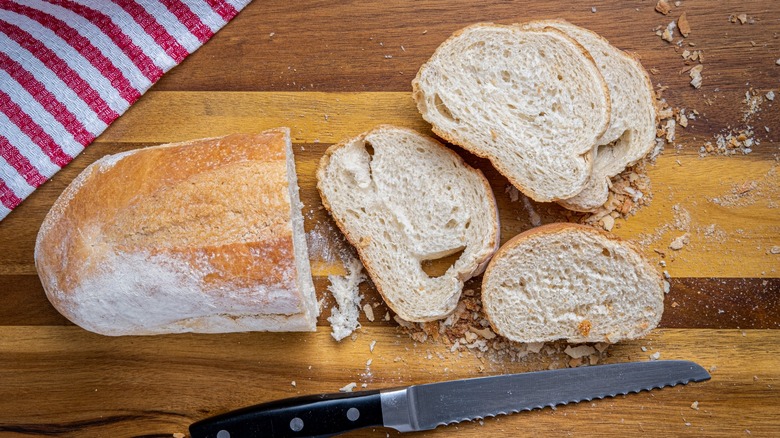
(532, 101)
(570, 282)
(631, 132)
(402, 198)
(345, 289)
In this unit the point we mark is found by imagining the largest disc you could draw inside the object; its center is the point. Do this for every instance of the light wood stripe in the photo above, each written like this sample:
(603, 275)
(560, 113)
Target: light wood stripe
(312, 116)
(113, 379)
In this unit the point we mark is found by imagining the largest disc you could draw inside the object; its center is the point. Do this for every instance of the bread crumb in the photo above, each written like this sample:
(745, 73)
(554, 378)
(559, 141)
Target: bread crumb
(774, 250)
(579, 351)
(371, 346)
(695, 75)
(668, 33)
(675, 304)
(593, 9)
(770, 95)
(348, 387)
(293, 384)
(178, 435)
(369, 311)
(533, 216)
(387, 316)
(584, 328)
(663, 7)
(683, 25)
(607, 222)
(695, 405)
(485, 332)
(742, 18)
(514, 194)
(667, 287)
(655, 356)
(678, 243)
(345, 289)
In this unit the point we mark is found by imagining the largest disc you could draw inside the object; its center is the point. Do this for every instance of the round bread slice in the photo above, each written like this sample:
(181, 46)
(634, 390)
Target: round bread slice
(571, 282)
(532, 101)
(631, 132)
(402, 199)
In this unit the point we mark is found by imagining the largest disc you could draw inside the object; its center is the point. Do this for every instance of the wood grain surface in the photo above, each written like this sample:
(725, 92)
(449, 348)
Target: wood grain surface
(330, 70)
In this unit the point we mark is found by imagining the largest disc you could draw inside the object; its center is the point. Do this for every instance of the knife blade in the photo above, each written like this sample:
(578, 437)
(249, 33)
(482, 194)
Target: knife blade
(424, 407)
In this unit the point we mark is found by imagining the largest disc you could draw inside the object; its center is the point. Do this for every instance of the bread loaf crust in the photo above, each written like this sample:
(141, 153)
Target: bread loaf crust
(186, 237)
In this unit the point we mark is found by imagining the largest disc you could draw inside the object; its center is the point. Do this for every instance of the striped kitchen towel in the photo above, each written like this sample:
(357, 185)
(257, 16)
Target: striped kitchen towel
(68, 68)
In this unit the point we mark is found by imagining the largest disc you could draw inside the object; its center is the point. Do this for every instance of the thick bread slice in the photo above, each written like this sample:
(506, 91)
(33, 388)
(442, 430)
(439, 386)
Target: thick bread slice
(566, 281)
(402, 198)
(632, 126)
(533, 102)
(204, 236)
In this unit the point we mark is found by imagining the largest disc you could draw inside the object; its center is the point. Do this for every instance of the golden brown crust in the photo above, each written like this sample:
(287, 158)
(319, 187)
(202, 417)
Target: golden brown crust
(220, 206)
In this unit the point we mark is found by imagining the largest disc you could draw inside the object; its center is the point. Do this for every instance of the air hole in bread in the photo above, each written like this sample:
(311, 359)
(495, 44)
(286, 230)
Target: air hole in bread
(437, 267)
(505, 75)
(542, 114)
(442, 108)
(369, 148)
(606, 252)
(560, 77)
(542, 54)
(353, 213)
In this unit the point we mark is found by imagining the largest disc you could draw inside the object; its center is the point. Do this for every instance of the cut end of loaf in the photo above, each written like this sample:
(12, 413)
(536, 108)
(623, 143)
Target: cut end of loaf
(573, 283)
(203, 236)
(403, 200)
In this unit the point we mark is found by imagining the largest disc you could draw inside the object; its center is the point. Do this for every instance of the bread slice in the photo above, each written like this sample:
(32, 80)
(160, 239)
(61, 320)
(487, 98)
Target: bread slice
(401, 199)
(532, 101)
(571, 282)
(631, 132)
(204, 236)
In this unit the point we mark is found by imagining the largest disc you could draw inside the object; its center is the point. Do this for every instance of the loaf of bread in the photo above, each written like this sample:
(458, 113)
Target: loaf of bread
(631, 132)
(571, 282)
(531, 101)
(402, 199)
(204, 236)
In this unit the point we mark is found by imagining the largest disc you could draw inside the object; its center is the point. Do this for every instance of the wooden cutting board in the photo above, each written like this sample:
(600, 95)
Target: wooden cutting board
(330, 70)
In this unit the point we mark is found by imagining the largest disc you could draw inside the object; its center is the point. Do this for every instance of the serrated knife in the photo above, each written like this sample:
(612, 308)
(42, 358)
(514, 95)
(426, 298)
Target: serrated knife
(424, 407)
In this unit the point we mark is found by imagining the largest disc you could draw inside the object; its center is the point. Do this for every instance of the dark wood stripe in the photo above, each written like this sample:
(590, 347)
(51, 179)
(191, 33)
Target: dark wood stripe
(300, 49)
(719, 303)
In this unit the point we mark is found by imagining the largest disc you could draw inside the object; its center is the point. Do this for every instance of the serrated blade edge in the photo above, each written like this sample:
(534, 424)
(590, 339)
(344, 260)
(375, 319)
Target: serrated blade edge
(424, 407)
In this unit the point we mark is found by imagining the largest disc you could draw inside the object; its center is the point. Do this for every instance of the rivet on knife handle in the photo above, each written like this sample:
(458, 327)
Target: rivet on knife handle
(309, 416)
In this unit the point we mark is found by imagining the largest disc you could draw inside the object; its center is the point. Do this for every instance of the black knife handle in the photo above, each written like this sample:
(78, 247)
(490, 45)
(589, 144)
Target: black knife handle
(320, 415)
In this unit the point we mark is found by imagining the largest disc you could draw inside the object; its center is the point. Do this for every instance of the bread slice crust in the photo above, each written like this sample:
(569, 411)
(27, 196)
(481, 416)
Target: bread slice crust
(599, 310)
(416, 297)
